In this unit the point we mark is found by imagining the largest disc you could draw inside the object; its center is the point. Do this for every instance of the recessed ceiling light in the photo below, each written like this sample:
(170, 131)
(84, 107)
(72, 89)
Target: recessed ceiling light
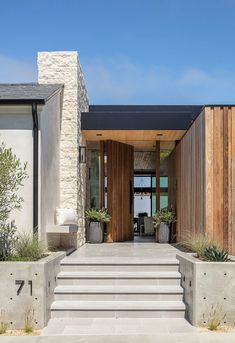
(99, 134)
(159, 134)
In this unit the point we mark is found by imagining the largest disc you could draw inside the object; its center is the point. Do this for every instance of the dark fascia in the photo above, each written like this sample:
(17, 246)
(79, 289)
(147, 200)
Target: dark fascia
(22, 101)
(141, 108)
(140, 117)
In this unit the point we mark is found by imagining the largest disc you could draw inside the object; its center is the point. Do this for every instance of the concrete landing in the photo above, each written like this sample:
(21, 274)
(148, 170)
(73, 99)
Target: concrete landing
(206, 337)
(124, 252)
(116, 326)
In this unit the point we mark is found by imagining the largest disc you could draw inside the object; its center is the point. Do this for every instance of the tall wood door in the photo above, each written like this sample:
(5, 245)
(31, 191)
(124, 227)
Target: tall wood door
(120, 191)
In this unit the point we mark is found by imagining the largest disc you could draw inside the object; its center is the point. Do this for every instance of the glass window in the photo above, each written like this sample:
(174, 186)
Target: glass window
(142, 181)
(94, 164)
(142, 203)
(163, 200)
(163, 181)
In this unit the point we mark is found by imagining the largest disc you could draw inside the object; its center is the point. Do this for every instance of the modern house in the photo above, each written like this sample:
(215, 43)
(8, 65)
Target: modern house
(137, 158)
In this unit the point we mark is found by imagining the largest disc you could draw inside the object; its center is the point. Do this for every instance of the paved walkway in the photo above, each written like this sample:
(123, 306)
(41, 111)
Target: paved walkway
(125, 251)
(197, 337)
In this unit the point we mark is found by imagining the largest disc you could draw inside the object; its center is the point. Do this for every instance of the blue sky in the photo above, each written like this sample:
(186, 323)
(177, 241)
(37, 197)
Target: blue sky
(131, 51)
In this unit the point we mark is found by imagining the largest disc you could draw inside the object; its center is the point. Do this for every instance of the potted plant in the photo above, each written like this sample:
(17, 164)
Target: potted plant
(163, 220)
(96, 218)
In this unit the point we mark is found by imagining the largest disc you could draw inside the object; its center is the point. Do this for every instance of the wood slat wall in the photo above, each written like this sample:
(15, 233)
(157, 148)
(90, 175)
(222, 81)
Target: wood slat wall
(120, 172)
(186, 187)
(219, 175)
(202, 188)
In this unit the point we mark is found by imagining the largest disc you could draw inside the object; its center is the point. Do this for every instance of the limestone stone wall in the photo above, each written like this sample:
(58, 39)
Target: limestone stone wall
(64, 68)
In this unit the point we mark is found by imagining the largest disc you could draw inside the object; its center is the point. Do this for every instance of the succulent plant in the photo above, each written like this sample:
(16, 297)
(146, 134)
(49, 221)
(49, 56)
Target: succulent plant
(215, 254)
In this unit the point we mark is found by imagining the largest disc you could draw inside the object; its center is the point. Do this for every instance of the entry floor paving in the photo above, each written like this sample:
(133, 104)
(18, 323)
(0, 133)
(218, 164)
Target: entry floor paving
(117, 326)
(191, 337)
(128, 251)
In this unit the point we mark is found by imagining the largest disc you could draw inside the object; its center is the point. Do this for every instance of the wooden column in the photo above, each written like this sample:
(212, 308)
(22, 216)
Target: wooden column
(102, 174)
(157, 175)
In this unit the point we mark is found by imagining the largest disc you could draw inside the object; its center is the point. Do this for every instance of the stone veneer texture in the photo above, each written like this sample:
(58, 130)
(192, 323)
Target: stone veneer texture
(64, 68)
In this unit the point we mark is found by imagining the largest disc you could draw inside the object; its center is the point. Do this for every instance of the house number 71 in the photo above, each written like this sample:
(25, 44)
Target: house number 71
(21, 284)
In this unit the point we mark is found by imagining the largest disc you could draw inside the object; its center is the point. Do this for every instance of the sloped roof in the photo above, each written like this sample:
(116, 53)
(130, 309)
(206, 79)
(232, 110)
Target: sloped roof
(15, 93)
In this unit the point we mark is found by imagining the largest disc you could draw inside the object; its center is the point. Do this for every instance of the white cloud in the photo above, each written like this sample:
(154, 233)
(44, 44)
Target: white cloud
(121, 81)
(15, 70)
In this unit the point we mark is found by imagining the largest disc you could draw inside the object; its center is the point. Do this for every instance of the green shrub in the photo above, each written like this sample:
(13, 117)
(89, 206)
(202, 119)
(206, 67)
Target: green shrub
(215, 254)
(29, 248)
(97, 215)
(7, 240)
(164, 215)
(12, 175)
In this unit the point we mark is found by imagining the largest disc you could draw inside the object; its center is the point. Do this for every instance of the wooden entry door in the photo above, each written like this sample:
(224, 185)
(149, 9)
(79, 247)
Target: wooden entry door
(120, 176)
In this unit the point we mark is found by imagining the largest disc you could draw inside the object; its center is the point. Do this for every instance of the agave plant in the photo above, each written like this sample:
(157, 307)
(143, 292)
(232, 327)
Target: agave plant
(215, 254)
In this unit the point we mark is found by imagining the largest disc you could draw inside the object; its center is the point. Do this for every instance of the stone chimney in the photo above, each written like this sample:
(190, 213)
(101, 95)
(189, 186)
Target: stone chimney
(64, 68)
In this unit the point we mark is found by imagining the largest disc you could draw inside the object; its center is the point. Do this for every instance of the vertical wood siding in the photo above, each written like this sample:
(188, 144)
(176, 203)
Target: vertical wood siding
(204, 178)
(190, 179)
(219, 175)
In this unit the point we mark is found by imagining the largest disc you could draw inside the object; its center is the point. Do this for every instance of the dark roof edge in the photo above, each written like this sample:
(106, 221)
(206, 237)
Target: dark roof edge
(21, 101)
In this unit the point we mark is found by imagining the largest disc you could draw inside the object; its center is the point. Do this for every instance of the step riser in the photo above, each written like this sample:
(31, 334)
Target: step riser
(121, 297)
(112, 268)
(118, 314)
(119, 281)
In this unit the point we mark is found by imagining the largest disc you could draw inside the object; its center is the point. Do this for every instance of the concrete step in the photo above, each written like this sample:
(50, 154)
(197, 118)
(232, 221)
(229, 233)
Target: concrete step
(118, 326)
(116, 309)
(120, 292)
(121, 264)
(118, 278)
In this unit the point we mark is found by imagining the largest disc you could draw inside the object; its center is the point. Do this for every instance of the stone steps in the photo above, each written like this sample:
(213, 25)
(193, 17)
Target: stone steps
(119, 278)
(116, 309)
(120, 264)
(120, 292)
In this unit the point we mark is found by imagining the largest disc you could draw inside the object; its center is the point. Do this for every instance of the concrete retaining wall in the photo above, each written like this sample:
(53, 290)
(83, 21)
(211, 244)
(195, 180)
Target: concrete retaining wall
(208, 287)
(28, 285)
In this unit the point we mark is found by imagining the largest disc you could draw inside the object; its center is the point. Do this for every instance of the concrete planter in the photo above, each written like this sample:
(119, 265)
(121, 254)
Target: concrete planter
(163, 233)
(95, 232)
(208, 284)
(28, 285)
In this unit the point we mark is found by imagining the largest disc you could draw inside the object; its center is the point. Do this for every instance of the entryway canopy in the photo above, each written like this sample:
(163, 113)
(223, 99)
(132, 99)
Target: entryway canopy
(140, 123)
(139, 117)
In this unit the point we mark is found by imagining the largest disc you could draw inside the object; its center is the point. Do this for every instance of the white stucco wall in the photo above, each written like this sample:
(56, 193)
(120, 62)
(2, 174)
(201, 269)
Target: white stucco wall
(49, 162)
(16, 132)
